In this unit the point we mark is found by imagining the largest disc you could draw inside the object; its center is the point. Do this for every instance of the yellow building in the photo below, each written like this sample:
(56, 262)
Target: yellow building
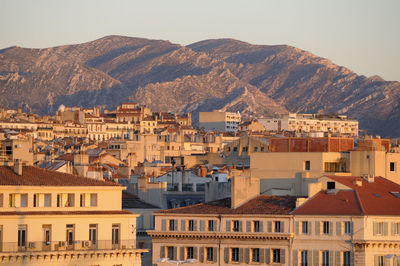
(52, 218)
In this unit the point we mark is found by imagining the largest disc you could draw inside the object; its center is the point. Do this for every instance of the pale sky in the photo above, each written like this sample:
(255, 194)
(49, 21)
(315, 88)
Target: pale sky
(362, 35)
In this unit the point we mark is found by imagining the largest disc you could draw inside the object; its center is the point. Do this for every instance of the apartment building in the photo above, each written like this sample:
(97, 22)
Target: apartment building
(246, 229)
(336, 124)
(219, 121)
(53, 218)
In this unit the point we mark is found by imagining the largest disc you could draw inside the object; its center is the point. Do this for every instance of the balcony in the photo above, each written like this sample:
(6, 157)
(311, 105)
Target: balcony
(55, 246)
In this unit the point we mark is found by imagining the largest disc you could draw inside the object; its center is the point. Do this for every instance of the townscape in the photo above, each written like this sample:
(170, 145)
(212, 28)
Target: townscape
(131, 186)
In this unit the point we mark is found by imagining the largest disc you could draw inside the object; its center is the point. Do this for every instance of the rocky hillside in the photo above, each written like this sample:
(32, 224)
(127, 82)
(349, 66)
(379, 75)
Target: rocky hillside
(258, 80)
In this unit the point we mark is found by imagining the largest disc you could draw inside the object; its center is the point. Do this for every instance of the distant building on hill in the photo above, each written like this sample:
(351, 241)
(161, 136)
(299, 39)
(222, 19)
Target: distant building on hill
(219, 121)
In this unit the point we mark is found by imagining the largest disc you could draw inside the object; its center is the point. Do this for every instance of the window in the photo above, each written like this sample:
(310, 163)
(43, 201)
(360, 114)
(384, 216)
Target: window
(325, 258)
(22, 236)
(235, 254)
(379, 261)
(262, 148)
(392, 167)
(189, 253)
(191, 225)
(70, 230)
(379, 228)
(396, 228)
(1, 199)
(326, 228)
(276, 255)
(24, 200)
(255, 149)
(256, 226)
(115, 234)
(304, 226)
(93, 233)
(307, 165)
(70, 200)
(35, 200)
(93, 200)
(347, 228)
(170, 253)
(46, 234)
(278, 227)
(255, 254)
(82, 200)
(304, 258)
(234, 148)
(47, 200)
(171, 225)
(331, 185)
(236, 226)
(210, 254)
(210, 225)
(346, 258)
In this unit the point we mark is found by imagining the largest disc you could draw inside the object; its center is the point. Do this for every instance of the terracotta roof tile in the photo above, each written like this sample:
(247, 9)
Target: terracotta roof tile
(33, 176)
(263, 204)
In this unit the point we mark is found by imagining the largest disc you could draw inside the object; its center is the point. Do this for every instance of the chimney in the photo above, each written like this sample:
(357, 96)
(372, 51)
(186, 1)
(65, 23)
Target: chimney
(18, 166)
(243, 189)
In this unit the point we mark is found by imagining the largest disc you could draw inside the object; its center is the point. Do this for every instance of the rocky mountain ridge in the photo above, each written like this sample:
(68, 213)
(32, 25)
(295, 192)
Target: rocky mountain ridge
(257, 80)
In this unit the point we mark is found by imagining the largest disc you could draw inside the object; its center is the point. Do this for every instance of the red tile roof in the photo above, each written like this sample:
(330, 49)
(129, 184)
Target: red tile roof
(263, 204)
(368, 199)
(33, 176)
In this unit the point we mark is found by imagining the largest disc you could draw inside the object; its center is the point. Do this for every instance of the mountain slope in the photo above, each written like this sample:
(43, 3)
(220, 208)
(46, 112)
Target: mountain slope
(227, 74)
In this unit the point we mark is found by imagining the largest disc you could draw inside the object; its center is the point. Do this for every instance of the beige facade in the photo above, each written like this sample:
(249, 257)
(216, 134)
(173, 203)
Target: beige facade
(71, 223)
(219, 121)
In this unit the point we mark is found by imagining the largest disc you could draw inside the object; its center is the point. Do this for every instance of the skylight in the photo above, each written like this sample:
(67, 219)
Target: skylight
(395, 193)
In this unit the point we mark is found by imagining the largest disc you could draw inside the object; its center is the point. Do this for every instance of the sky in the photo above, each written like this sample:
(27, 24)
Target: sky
(362, 35)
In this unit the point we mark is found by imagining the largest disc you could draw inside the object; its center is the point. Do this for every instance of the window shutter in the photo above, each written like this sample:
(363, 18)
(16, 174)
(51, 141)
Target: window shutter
(175, 253)
(261, 226)
(262, 255)
(352, 259)
(182, 253)
(176, 225)
(375, 228)
(295, 257)
(269, 226)
(201, 253)
(246, 255)
(215, 254)
(248, 226)
(296, 227)
(309, 228)
(338, 228)
(226, 255)
(317, 227)
(202, 225)
(283, 256)
(195, 253)
(386, 261)
(330, 257)
(337, 257)
(282, 227)
(309, 257)
(163, 225)
(385, 228)
(240, 226)
(330, 228)
(316, 257)
(183, 225)
(195, 225)
(267, 256)
(392, 228)
(162, 252)
(241, 253)
(376, 259)
(228, 225)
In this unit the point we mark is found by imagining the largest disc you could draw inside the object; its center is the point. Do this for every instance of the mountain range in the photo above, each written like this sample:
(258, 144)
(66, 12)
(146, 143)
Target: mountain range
(225, 74)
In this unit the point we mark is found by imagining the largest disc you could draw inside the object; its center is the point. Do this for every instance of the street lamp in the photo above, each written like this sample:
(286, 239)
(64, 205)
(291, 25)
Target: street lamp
(176, 262)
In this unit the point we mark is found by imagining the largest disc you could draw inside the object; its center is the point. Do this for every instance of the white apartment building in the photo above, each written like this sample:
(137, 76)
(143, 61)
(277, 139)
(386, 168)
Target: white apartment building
(337, 124)
(219, 121)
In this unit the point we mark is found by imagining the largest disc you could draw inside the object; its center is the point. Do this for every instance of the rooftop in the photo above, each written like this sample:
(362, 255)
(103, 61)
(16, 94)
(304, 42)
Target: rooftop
(33, 176)
(264, 204)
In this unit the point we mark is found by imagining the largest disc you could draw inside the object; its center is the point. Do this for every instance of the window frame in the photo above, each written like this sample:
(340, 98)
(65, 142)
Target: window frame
(276, 255)
(304, 229)
(325, 227)
(255, 255)
(235, 255)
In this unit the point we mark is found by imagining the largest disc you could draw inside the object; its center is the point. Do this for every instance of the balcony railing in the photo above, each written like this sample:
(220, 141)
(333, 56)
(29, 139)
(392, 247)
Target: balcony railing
(78, 245)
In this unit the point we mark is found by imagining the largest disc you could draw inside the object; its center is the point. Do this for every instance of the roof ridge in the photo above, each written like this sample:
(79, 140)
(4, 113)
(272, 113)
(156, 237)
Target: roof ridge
(359, 201)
